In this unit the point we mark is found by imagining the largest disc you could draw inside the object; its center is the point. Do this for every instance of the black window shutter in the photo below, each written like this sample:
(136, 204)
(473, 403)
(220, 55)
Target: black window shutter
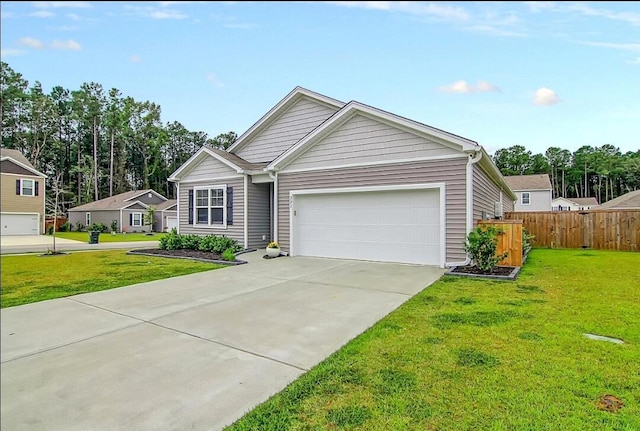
(130, 219)
(37, 184)
(229, 205)
(191, 206)
(17, 187)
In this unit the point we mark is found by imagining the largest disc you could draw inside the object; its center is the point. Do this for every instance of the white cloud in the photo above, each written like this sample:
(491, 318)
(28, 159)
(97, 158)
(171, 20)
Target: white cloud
(31, 43)
(632, 18)
(212, 78)
(67, 45)
(446, 12)
(167, 14)
(61, 4)
(634, 47)
(463, 87)
(42, 14)
(545, 97)
(537, 6)
(11, 52)
(135, 58)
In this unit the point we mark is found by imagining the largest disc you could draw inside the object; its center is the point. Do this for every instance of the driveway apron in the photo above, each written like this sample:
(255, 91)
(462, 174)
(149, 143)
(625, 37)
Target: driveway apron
(192, 352)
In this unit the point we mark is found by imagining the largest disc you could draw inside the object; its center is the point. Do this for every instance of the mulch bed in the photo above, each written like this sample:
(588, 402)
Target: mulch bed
(469, 269)
(205, 256)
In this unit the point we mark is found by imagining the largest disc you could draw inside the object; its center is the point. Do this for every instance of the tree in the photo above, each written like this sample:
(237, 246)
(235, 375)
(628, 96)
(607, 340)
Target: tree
(223, 140)
(148, 217)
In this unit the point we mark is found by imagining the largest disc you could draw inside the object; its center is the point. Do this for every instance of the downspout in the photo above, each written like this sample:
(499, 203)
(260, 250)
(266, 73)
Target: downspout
(274, 177)
(246, 211)
(473, 159)
(121, 227)
(178, 206)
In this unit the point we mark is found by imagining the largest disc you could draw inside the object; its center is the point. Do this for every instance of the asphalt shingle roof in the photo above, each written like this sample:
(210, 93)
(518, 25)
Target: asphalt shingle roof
(529, 182)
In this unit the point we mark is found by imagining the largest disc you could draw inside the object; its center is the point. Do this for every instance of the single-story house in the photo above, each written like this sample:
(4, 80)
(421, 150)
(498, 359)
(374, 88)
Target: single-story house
(533, 192)
(628, 201)
(22, 201)
(573, 204)
(128, 210)
(343, 180)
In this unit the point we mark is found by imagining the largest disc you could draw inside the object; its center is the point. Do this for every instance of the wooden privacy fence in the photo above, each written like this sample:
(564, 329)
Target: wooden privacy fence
(596, 229)
(509, 240)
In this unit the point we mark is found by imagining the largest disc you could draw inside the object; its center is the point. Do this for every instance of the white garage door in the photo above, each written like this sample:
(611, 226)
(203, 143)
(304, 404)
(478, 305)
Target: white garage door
(172, 222)
(390, 225)
(20, 224)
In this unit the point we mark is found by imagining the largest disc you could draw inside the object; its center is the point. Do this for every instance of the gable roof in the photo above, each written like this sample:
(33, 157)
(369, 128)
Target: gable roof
(353, 108)
(629, 200)
(290, 99)
(117, 202)
(529, 182)
(19, 159)
(585, 201)
(233, 161)
(166, 205)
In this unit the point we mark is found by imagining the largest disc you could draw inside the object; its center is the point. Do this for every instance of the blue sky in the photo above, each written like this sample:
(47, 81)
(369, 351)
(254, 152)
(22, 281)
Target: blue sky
(536, 74)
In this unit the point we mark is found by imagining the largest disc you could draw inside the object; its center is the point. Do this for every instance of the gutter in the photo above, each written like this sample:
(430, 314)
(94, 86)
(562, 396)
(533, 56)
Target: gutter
(274, 176)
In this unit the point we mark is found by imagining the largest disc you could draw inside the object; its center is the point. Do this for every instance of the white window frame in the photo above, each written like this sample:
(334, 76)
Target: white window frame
(209, 207)
(87, 219)
(140, 221)
(22, 186)
(528, 195)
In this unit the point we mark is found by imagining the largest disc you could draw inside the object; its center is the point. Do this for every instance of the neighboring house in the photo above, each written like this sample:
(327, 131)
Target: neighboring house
(166, 216)
(573, 204)
(127, 209)
(22, 203)
(533, 191)
(628, 201)
(343, 180)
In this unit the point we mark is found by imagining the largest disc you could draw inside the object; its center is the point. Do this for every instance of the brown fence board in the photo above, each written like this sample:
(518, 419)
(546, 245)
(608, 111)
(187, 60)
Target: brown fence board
(597, 229)
(510, 240)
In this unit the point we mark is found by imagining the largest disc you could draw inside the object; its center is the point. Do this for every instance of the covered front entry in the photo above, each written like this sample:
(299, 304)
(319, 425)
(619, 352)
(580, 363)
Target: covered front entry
(403, 224)
(20, 223)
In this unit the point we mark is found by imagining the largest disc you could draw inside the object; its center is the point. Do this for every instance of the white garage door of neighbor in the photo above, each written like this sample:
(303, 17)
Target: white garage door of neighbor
(171, 223)
(20, 224)
(389, 226)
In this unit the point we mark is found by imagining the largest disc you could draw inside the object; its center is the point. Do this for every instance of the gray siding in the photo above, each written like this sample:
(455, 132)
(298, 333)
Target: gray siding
(540, 200)
(485, 193)
(150, 200)
(507, 203)
(208, 168)
(235, 231)
(452, 172)
(259, 215)
(365, 140)
(126, 213)
(100, 216)
(289, 128)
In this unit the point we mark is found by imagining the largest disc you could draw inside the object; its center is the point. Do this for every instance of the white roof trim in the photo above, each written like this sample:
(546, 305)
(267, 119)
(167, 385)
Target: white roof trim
(296, 94)
(353, 108)
(127, 206)
(197, 157)
(146, 191)
(22, 165)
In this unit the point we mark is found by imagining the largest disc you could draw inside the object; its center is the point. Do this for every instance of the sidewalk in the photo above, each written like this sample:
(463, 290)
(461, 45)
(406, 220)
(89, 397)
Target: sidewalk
(44, 243)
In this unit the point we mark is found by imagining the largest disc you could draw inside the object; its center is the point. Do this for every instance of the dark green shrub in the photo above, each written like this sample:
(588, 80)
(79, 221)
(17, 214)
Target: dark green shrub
(114, 225)
(50, 230)
(79, 226)
(64, 227)
(191, 241)
(170, 242)
(99, 227)
(481, 245)
(527, 241)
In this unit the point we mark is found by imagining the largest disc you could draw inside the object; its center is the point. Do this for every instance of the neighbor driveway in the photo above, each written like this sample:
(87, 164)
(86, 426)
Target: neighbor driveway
(18, 244)
(192, 352)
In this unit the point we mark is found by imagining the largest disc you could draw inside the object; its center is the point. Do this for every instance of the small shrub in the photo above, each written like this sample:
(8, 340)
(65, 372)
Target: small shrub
(527, 241)
(79, 227)
(229, 255)
(114, 225)
(481, 245)
(170, 242)
(190, 242)
(64, 227)
(50, 230)
(99, 227)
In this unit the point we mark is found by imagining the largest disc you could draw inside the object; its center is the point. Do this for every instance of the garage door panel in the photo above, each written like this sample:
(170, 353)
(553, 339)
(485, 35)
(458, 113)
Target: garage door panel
(391, 225)
(20, 224)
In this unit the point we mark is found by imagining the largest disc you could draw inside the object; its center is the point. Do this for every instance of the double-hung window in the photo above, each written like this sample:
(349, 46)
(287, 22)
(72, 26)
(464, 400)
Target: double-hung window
(136, 219)
(210, 205)
(26, 187)
(526, 198)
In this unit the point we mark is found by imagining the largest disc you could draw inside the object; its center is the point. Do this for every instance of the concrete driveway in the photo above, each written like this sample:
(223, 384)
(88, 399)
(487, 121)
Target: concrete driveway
(192, 352)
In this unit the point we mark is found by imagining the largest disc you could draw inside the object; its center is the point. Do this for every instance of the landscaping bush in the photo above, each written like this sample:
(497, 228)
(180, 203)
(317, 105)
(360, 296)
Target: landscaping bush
(229, 255)
(64, 227)
(173, 241)
(79, 227)
(209, 243)
(100, 227)
(191, 241)
(481, 245)
(527, 241)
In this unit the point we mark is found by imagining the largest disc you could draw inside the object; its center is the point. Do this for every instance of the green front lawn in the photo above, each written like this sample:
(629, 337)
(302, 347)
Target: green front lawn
(33, 278)
(108, 237)
(479, 354)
